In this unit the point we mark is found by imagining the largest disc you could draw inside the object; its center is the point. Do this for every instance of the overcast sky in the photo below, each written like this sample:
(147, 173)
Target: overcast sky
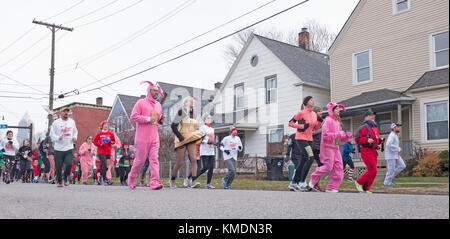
(112, 35)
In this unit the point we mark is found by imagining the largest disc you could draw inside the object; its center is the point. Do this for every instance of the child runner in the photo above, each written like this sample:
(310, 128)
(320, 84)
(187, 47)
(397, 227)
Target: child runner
(230, 145)
(347, 159)
(306, 121)
(111, 162)
(331, 158)
(104, 140)
(25, 161)
(37, 161)
(76, 168)
(124, 156)
(45, 166)
(317, 137)
(87, 153)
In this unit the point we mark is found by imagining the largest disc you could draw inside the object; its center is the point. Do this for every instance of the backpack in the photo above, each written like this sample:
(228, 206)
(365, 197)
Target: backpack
(358, 134)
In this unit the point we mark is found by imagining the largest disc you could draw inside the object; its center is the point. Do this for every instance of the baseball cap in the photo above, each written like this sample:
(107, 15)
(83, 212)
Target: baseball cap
(393, 125)
(369, 112)
(65, 109)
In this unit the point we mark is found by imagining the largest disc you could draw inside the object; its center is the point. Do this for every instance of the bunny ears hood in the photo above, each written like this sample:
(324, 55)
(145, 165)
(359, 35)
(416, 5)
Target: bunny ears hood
(331, 107)
(152, 86)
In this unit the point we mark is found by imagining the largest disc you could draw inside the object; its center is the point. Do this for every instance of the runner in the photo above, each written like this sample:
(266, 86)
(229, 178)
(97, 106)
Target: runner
(332, 135)
(317, 137)
(207, 154)
(37, 161)
(104, 141)
(76, 168)
(147, 114)
(367, 137)
(45, 165)
(125, 157)
(25, 161)
(87, 153)
(394, 162)
(305, 122)
(111, 162)
(64, 133)
(347, 159)
(9, 146)
(188, 136)
(230, 145)
(51, 157)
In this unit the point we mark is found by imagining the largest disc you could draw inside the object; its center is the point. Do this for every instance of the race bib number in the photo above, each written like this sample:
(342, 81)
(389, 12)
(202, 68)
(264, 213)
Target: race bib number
(126, 163)
(309, 151)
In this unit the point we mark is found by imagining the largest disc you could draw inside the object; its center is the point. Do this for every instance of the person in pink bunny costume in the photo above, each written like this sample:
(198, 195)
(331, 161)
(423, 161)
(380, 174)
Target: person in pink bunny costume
(330, 155)
(147, 113)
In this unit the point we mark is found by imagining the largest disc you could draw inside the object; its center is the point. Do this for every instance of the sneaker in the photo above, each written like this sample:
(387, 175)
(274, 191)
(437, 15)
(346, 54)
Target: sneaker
(358, 187)
(109, 182)
(35, 180)
(59, 185)
(159, 187)
(350, 179)
(195, 185)
(315, 187)
(332, 191)
(209, 186)
(386, 186)
(294, 187)
(85, 183)
(224, 183)
(173, 184)
(186, 183)
(367, 192)
(393, 182)
(66, 183)
(226, 188)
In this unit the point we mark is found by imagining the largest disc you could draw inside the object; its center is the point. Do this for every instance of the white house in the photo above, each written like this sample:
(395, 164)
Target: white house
(265, 88)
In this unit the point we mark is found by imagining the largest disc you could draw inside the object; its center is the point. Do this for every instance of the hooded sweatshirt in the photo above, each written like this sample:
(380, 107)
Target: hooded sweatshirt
(332, 131)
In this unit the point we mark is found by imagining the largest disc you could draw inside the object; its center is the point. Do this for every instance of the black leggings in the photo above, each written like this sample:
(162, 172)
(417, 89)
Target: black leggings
(305, 163)
(317, 157)
(208, 165)
(104, 169)
(350, 163)
(124, 173)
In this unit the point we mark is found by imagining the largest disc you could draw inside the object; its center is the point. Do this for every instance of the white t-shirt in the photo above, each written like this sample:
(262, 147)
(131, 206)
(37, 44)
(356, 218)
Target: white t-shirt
(9, 150)
(205, 148)
(65, 128)
(233, 144)
(392, 147)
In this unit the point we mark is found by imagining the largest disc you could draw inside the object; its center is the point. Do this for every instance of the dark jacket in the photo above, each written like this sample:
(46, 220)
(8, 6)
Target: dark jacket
(348, 148)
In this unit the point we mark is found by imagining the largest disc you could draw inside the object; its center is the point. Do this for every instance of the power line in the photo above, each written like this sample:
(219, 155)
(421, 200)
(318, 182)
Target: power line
(91, 12)
(133, 36)
(23, 84)
(183, 43)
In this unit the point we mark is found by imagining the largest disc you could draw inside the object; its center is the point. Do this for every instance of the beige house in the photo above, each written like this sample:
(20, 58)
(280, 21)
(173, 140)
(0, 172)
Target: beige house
(391, 56)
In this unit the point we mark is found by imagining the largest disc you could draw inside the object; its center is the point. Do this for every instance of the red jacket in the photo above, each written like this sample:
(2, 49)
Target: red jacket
(103, 141)
(374, 134)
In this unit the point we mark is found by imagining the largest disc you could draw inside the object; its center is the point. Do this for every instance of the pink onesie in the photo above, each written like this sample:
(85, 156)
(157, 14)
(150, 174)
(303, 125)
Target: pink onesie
(330, 155)
(146, 139)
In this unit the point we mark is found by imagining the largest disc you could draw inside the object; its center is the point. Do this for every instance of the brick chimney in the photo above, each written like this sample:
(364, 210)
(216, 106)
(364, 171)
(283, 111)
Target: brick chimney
(99, 101)
(303, 39)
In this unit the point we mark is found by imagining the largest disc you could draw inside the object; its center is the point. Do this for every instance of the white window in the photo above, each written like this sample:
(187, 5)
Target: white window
(271, 89)
(275, 135)
(436, 118)
(362, 67)
(400, 5)
(239, 96)
(384, 122)
(439, 49)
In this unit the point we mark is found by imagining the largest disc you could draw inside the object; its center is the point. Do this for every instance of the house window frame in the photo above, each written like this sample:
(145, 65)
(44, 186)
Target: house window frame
(423, 118)
(266, 79)
(274, 129)
(355, 70)
(235, 96)
(378, 125)
(433, 52)
(395, 10)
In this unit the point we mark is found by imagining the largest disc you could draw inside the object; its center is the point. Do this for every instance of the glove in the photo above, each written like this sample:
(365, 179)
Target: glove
(227, 151)
(305, 126)
(180, 137)
(286, 158)
(320, 119)
(240, 147)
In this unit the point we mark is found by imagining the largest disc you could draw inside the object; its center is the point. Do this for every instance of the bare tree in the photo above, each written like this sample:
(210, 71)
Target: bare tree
(320, 38)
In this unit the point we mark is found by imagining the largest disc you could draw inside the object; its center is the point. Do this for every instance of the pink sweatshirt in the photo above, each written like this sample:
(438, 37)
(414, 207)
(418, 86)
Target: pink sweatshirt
(332, 130)
(144, 108)
(310, 118)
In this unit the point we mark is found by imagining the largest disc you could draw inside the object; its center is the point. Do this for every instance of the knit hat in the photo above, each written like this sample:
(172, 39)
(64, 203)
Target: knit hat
(307, 98)
(103, 123)
(232, 129)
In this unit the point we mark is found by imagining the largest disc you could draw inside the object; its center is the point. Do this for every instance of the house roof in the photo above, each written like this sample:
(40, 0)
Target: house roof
(310, 66)
(128, 102)
(374, 97)
(86, 105)
(431, 78)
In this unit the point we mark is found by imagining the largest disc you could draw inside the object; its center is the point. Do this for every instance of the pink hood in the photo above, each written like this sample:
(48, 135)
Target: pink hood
(330, 107)
(151, 86)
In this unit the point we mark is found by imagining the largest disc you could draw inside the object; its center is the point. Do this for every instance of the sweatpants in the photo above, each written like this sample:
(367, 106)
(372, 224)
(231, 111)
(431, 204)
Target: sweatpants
(369, 157)
(63, 158)
(231, 165)
(103, 160)
(394, 167)
(123, 173)
(207, 165)
(302, 170)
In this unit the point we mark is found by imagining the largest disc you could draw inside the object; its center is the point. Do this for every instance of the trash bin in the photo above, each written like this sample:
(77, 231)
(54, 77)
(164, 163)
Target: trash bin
(275, 168)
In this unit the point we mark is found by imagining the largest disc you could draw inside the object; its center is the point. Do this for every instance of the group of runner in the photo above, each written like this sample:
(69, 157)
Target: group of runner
(316, 139)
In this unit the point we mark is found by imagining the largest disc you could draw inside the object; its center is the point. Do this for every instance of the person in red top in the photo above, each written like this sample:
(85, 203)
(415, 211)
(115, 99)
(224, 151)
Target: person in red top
(306, 121)
(367, 137)
(104, 140)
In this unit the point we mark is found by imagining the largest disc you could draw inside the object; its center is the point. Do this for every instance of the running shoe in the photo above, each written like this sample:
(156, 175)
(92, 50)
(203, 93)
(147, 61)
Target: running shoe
(66, 183)
(332, 191)
(209, 186)
(386, 186)
(59, 185)
(294, 187)
(226, 188)
(359, 187)
(85, 183)
(195, 185)
(393, 182)
(315, 187)
(367, 192)
(173, 184)
(224, 183)
(109, 182)
(35, 180)
(186, 183)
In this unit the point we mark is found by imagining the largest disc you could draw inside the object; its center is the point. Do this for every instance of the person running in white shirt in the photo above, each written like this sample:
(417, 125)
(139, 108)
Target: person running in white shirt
(207, 154)
(394, 161)
(230, 145)
(9, 146)
(64, 133)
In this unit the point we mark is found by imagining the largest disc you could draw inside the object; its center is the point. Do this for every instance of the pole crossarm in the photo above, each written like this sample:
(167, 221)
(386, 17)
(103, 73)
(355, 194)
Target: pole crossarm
(52, 25)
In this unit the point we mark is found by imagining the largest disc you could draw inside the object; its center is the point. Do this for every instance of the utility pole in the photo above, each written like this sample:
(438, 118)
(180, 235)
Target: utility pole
(52, 28)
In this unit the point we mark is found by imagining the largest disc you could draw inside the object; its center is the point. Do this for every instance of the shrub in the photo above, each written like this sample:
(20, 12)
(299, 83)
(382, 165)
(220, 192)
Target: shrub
(429, 165)
(443, 157)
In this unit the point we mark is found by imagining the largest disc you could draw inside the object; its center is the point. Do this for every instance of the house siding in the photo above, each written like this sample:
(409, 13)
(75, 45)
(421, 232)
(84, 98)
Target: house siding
(400, 45)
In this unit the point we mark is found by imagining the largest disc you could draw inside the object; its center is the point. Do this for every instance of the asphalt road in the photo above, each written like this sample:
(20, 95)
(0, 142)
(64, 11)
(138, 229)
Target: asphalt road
(89, 201)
